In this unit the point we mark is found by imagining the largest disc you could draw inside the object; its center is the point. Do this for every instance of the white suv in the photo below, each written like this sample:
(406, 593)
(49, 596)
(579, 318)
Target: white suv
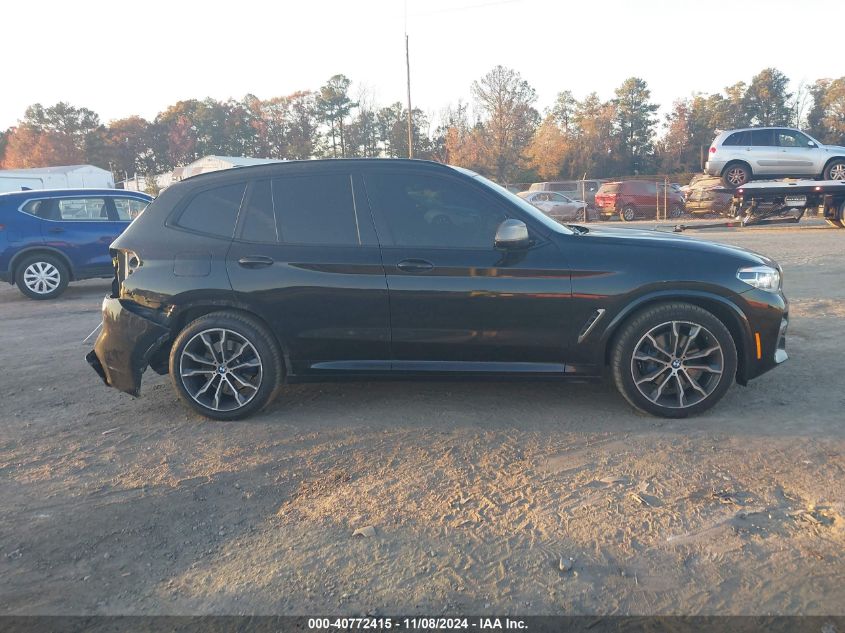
(772, 152)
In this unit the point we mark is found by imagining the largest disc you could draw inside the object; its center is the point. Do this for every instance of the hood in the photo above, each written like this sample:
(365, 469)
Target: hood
(836, 149)
(675, 241)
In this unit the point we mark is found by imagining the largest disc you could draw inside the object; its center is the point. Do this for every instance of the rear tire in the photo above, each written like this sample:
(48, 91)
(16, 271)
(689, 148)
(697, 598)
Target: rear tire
(839, 221)
(673, 360)
(735, 175)
(226, 366)
(835, 170)
(628, 213)
(42, 276)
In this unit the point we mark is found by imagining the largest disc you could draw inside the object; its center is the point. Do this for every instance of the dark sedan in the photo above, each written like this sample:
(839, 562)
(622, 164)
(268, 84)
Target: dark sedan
(240, 281)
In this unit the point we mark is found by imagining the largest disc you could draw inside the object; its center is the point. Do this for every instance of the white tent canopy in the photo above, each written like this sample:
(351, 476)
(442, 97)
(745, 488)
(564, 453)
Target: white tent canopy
(59, 177)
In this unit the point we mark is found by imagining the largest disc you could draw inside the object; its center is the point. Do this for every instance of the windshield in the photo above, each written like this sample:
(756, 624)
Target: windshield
(527, 208)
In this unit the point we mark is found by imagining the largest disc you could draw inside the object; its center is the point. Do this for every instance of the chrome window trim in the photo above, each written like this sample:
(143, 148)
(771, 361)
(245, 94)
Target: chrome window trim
(104, 196)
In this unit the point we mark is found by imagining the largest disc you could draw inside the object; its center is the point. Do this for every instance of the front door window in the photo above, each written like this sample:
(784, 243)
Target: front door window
(433, 212)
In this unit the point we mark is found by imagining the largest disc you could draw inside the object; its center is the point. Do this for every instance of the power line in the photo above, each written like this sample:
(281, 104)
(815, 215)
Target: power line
(480, 5)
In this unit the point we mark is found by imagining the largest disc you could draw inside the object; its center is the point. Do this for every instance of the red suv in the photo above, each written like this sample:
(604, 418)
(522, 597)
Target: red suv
(632, 199)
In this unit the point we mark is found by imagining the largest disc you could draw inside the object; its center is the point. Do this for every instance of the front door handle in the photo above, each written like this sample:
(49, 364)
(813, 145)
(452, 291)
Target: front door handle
(414, 265)
(255, 261)
(55, 229)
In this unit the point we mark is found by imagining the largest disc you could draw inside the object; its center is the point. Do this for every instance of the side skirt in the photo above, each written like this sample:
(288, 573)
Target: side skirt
(440, 370)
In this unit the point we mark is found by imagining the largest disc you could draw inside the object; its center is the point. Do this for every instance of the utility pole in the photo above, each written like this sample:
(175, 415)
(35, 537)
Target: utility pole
(408, 75)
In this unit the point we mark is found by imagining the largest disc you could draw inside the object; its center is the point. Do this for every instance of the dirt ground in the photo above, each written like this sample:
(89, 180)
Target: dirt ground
(476, 491)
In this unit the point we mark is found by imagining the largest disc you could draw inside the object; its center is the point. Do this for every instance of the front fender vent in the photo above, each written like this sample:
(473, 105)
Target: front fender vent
(591, 322)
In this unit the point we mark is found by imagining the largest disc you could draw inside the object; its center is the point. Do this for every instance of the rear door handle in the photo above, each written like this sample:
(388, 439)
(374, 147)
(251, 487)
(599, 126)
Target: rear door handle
(55, 229)
(414, 265)
(255, 261)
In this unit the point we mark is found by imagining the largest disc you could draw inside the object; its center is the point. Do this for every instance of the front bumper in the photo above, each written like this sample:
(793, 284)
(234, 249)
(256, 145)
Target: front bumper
(124, 347)
(768, 321)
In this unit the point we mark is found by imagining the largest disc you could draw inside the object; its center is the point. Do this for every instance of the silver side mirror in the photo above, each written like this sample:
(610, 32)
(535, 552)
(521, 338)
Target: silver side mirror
(512, 234)
(811, 144)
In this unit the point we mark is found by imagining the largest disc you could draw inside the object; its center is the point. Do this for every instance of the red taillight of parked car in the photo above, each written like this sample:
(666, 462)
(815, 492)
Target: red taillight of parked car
(605, 199)
(712, 150)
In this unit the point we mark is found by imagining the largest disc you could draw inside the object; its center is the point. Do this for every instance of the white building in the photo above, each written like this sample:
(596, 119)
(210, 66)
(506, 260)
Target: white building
(140, 183)
(216, 163)
(60, 177)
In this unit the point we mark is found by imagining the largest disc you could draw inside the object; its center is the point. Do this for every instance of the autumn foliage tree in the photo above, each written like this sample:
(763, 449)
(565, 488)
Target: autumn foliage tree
(826, 118)
(57, 135)
(501, 134)
(548, 150)
(506, 102)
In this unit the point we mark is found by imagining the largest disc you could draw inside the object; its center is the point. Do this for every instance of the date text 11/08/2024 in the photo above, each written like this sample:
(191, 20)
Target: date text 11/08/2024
(417, 623)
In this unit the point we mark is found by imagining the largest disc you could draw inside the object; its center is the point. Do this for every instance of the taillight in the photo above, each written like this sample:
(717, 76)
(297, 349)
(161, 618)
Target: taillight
(2, 227)
(712, 150)
(125, 262)
(133, 262)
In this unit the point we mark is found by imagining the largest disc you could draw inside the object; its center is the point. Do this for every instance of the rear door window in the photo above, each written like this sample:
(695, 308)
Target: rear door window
(762, 138)
(316, 209)
(259, 223)
(83, 209)
(214, 211)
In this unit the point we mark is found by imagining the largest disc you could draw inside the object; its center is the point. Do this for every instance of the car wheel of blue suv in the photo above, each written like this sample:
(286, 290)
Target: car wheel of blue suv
(41, 276)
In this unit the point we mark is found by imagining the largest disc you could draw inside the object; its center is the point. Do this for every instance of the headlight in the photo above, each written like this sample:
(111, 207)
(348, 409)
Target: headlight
(762, 277)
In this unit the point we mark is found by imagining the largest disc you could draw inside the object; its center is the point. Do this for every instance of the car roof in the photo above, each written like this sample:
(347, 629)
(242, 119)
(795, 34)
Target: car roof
(760, 127)
(323, 163)
(58, 193)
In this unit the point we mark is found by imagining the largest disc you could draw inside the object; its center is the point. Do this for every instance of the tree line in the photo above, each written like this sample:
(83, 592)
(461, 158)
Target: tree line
(499, 133)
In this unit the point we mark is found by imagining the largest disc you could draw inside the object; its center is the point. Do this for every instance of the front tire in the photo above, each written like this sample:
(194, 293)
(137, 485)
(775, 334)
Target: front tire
(676, 211)
(674, 360)
(226, 366)
(835, 170)
(42, 277)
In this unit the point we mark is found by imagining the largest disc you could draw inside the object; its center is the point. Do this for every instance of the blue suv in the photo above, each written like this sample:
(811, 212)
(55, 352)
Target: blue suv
(51, 237)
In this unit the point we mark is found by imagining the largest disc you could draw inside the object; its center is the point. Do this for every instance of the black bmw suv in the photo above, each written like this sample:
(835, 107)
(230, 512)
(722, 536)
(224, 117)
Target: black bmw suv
(237, 282)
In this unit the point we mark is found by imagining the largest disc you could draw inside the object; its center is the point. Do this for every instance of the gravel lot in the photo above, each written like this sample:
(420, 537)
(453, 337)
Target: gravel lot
(476, 491)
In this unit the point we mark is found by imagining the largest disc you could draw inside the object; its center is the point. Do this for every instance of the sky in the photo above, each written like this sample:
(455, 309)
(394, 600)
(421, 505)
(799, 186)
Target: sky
(122, 58)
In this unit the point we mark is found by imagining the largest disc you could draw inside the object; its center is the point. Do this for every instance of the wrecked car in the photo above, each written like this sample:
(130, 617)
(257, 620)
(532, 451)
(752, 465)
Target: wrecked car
(241, 281)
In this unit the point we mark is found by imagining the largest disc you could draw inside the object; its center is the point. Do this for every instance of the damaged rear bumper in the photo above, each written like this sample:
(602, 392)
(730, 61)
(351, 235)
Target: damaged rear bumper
(125, 345)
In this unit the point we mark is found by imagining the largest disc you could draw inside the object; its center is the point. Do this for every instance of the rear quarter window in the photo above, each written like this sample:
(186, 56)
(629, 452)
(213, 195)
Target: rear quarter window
(609, 189)
(129, 208)
(214, 211)
(738, 138)
(34, 207)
